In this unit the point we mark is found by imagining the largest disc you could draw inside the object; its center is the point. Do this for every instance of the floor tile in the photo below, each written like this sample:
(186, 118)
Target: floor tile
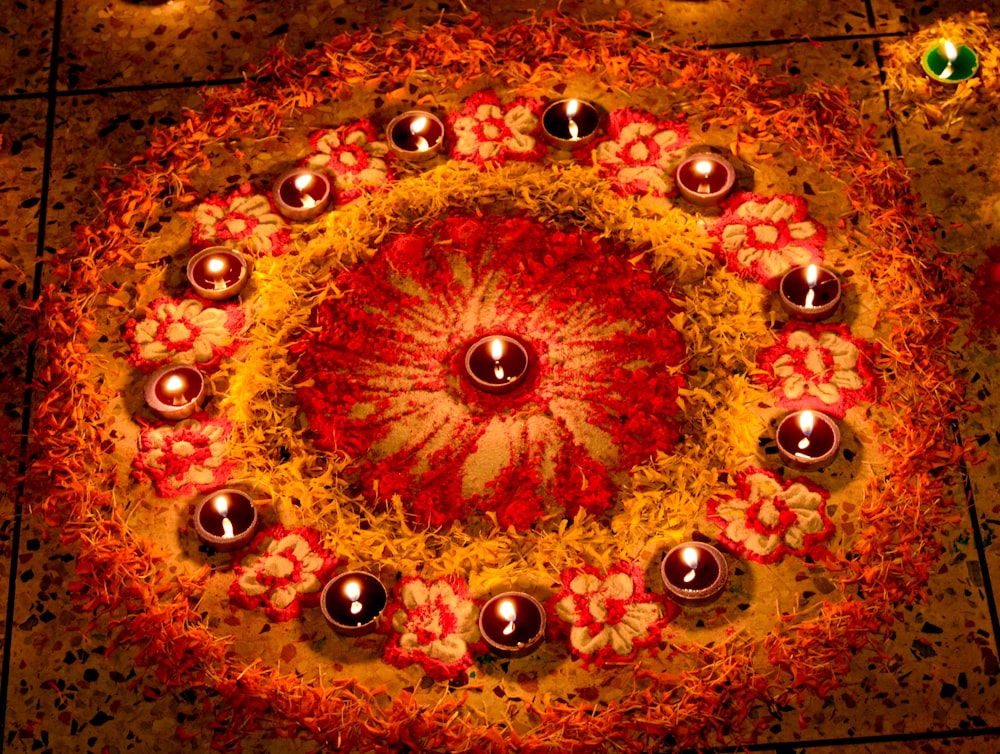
(26, 32)
(912, 15)
(22, 136)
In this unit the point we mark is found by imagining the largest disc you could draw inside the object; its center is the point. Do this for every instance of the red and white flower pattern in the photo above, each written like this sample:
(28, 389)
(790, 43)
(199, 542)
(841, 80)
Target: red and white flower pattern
(609, 617)
(354, 156)
(639, 152)
(763, 237)
(819, 367)
(184, 331)
(187, 457)
(242, 219)
(286, 577)
(435, 624)
(485, 131)
(768, 518)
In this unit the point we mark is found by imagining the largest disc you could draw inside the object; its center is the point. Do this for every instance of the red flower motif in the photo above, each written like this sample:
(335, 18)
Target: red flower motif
(358, 160)
(384, 380)
(819, 366)
(762, 237)
(242, 218)
(768, 518)
(433, 623)
(639, 152)
(484, 131)
(288, 575)
(187, 457)
(185, 331)
(608, 617)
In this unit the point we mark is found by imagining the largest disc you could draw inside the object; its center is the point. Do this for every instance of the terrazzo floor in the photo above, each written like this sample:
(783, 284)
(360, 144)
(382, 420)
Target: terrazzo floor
(82, 85)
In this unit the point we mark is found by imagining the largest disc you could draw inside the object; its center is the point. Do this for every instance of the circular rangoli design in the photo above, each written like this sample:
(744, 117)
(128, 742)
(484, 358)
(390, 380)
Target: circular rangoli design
(648, 417)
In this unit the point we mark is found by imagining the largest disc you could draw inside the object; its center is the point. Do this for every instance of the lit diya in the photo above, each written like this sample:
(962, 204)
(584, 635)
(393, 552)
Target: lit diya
(705, 178)
(175, 392)
(353, 603)
(570, 123)
(809, 292)
(807, 440)
(301, 194)
(218, 273)
(512, 624)
(694, 573)
(497, 363)
(950, 63)
(415, 135)
(226, 519)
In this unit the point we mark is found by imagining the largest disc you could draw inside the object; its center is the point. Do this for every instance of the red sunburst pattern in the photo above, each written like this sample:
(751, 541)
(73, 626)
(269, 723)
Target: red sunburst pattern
(383, 373)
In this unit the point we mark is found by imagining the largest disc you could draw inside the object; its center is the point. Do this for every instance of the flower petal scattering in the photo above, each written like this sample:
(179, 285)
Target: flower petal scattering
(762, 237)
(383, 375)
(768, 518)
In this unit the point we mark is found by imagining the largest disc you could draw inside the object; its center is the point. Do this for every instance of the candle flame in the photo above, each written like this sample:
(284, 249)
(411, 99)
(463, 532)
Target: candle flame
(221, 505)
(690, 557)
(303, 181)
(703, 168)
(417, 127)
(352, 590)
(950, 51)
(509, 613)
(174, 384)
(572, 107)
(806, 423)
(216, 265)
(496, 351)
(812, 275)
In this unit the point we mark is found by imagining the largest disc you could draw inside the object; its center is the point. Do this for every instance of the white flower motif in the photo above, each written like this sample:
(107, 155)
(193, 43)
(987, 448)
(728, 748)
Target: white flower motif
(437, 622)
(609, 605)
(356, 160)
(770, 517)
(830, 360)
(183, 330)
(641, 151)
(243, 217)
(769, 235)
(278, 563)
(485, 131)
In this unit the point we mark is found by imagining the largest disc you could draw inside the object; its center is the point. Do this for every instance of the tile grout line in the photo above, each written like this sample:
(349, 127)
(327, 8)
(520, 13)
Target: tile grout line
(29, 372)
(977, 537)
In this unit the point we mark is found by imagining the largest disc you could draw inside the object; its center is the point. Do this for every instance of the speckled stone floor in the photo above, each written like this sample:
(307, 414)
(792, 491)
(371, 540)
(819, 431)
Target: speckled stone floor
(82, 84)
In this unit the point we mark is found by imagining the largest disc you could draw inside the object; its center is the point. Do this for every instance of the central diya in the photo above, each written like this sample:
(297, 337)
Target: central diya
(497, 363)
